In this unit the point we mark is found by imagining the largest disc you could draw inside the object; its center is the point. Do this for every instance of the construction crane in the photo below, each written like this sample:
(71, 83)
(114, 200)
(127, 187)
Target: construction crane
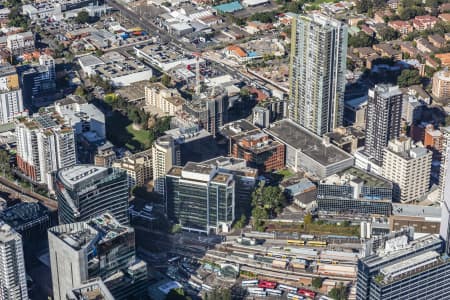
(197, 73)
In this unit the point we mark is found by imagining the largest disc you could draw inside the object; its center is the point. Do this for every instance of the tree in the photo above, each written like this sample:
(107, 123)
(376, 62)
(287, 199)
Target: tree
(4, 162)
(362, 6)
(317, 282)
(219, 294)
(339, 292)
(360, 40)
(307, 219)
(166, 80)
(177, 294)
(82, 17)
(241, 222)
(176, 228)
(388, 33)
(408, 77)
(270, 198)
(264, 17)
(80, 91)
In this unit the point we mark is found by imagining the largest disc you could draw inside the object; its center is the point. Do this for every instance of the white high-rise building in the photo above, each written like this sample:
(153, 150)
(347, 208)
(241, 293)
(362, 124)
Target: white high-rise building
(49, 62)
(408, 166)
(13, 282)
(317, 74)
(11, 100)
(444, 183)
(164, 157)
(45, 143)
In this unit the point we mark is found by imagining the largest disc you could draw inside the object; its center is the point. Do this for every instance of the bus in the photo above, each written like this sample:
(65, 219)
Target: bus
(267, 284)
(287, 288)
(195, 286)
(291, 296)
(257, 292)
(207, 288)
(249, 282)
(173, 259)
(274, 292)
(316, 243)
(307, 293)
(296, 242)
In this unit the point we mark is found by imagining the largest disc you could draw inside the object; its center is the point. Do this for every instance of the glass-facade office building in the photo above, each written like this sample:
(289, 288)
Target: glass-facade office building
(200, 198)
(84, 191)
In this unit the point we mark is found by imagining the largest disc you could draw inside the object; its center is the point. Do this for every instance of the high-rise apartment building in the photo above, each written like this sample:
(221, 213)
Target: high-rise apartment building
(408, 166)
(11, 102)
(441, 84)
(84, 191)
(100, 248)
(384, 110)
(444, 190)
(45, 143)
(13, 282)
(317, 74)
(39, 82)
(403, 268)
(200, 198)
(164, 156)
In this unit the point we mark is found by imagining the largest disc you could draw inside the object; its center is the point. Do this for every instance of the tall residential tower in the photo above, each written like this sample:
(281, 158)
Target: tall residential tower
(13, 283)
(384, 110)
(317, 74)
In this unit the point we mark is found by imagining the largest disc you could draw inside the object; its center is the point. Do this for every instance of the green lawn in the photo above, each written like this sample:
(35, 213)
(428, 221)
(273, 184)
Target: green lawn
(121, 133)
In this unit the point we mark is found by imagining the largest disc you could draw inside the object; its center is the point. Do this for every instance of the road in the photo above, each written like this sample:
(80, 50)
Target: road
(25, 195)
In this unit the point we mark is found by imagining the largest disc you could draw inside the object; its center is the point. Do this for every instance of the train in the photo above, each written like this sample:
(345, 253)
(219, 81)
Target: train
(316, 243)
(296, 242)
(309, 242)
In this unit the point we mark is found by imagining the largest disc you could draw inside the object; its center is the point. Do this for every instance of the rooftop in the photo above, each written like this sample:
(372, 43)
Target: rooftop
(237, 127)
(410, 266)
(24, 215)
(369, 179)
(7, 233)
(94, 290)
(198, 168)
(395, 248)
(78, 173)
(310, 144)
(385, 90)
(411, 210)
(234, 165)
(100, 229)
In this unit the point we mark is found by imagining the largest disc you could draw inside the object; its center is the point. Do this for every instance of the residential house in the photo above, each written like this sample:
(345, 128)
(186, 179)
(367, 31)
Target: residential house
(424, 22)
(404, 27)
(437, 40)
(387, 50)
(425, 46)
